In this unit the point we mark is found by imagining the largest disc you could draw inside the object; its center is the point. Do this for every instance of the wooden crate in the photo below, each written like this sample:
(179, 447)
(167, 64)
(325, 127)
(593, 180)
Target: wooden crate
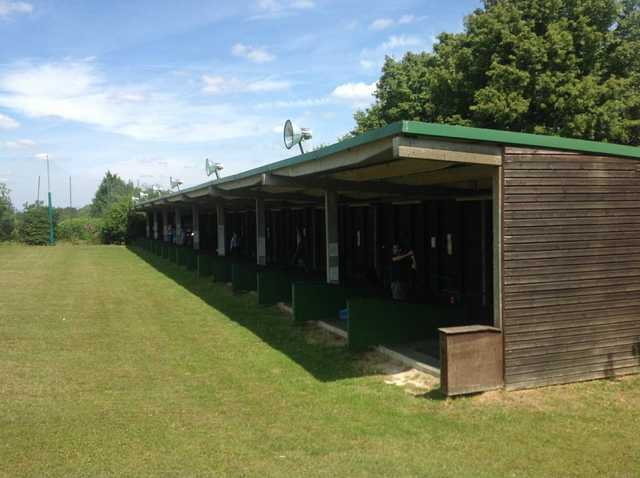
(472, 359)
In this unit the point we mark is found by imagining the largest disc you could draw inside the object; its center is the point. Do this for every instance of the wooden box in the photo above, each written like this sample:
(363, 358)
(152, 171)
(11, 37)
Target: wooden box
(472, 359)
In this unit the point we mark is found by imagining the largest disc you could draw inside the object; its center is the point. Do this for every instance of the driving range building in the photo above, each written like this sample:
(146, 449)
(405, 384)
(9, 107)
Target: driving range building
(527, 246)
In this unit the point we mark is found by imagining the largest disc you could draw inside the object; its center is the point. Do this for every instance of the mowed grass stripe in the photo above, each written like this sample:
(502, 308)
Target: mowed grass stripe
(114, 366)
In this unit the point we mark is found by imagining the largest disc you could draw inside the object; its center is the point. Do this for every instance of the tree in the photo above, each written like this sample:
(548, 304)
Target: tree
(121, 222)
(7, 213)
(559, 67)
(111, 190)
(34, 224)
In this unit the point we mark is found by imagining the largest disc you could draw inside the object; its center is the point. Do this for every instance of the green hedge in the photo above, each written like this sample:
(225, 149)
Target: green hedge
(378, 321)
(79, 230)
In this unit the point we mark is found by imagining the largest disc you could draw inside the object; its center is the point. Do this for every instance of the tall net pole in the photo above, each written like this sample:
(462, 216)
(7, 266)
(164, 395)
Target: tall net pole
(52, 234)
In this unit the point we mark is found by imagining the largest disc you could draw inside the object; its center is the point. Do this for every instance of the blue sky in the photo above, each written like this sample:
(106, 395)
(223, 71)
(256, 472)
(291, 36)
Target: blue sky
(148, 89)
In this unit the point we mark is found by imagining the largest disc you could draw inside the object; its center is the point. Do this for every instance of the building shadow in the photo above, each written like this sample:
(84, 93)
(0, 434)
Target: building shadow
(325, 361)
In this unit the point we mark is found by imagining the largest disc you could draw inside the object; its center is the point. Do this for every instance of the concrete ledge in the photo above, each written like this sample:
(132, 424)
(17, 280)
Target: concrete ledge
(409, 361)
(333, 329)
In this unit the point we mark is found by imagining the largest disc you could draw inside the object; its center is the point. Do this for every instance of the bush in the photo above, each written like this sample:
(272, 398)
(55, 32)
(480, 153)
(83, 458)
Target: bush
(121, 223)
(34, 228)
(80, 229)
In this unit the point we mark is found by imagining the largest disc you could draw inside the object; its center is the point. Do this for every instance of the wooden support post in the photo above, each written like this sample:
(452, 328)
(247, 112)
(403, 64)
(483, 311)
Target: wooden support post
(497, 248)
(375, 211)
(331, 223)
(221, 232)
(483, 251)
(195, 214)
(179, 238)
(165, 225)
(147, 225)
(261, 233)
(155, 224)
(314, 239)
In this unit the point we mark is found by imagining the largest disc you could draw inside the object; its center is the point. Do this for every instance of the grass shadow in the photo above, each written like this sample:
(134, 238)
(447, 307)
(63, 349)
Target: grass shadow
(325, 362)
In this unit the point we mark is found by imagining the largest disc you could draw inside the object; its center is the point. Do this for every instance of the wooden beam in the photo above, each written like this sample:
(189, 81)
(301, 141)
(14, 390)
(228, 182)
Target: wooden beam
(450, 175)
(370, 152)
(391, 169)
(455, 152)
(340, 186)
(255, 194)
(178, 198)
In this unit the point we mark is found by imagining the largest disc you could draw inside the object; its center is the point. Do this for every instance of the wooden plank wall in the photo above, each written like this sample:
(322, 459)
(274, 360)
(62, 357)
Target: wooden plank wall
(571, 277)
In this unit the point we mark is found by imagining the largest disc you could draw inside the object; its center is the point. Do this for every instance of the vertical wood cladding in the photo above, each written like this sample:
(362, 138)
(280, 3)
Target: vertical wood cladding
(571, 278)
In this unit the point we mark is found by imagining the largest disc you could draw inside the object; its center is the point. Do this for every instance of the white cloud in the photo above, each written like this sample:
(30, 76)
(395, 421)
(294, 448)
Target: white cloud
(381, 24)
(281, 8)
(8, 7)
(41, 156)
(78, 92)
(7, 122)
(385, 23)
(214, 85)
(405, 19)
(395, 45)
(358, 94)
(301, 103)
(251, 53)
(400, 41)
(302, 4)
(20, 144)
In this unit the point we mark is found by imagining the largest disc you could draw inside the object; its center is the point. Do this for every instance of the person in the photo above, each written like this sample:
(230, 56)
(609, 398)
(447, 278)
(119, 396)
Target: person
(401, 264)
(298, 255)
(234, 246)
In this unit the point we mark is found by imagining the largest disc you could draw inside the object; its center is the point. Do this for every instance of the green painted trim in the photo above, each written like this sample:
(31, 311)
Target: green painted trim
(427, 130)
(417, 128)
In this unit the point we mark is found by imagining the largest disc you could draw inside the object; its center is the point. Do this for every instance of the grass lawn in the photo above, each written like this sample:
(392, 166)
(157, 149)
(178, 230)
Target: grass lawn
(112, 365)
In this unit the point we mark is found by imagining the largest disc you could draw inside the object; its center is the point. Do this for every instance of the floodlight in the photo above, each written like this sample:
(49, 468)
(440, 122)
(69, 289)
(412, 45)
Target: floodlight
(213, 168)
(294, 135)
(174, 183)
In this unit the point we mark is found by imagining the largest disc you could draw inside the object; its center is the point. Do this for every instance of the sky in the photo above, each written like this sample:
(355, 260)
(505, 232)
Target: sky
(149, 89)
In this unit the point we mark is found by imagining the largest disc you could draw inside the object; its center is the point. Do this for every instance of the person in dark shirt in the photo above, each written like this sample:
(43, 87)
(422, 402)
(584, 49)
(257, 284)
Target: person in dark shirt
(401, 264)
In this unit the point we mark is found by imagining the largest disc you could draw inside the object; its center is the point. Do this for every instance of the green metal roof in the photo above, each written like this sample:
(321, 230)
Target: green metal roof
(518, 139)
(417, 128)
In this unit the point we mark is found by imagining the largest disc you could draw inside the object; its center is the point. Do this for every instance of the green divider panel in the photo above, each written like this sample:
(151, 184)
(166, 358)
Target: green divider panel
(378, 321)
(221, 268)
(273, 286)
(243, 276)
(321, 301)
(317, 301)
(204, 265)
(165, 250)
(182, 256)
(190, 259)
(173, 253)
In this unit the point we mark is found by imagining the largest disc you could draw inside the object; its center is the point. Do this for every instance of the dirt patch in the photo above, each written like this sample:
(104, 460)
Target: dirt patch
(317, 335)
(413, 381)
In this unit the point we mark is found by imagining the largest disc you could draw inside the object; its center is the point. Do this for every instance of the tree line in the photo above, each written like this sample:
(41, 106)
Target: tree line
(109, 219)
(556, 67)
